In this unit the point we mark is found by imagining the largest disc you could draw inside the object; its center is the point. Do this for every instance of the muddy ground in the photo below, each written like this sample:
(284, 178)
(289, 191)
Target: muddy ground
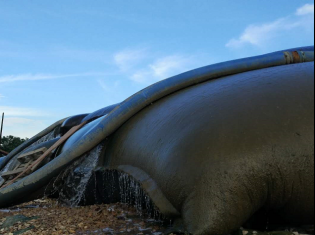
(47, 217)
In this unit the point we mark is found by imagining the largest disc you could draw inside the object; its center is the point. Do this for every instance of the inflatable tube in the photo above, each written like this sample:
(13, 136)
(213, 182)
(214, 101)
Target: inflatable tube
(227, 149)
(1, 159)
(29, 142)
(71, 122)
(130, 107)
(13, 162)
(99, 113)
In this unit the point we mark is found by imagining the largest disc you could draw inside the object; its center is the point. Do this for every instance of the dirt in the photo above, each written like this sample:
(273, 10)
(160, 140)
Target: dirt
(47, 217)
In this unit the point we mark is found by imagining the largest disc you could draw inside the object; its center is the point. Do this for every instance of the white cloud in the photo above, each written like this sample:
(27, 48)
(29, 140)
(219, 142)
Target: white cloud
(17, 121)
(142, 76)
(22, 127)
(1, 96)
(144, 68)
(258, 35)
(127, 59)
(108, 88)
(22, 122)
(103, 85)
(21, 112)
(163, 68)
(36, 77)
(168, 66)
(113, 91)
(305, 10)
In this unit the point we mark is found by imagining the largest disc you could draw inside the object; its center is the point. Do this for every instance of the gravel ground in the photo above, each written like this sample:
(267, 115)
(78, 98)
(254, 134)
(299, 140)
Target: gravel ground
(47, 217)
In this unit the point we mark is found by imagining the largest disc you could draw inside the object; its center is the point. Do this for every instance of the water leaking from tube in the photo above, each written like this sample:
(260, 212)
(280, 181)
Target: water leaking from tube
(130, 192)
(50, 136)
(78, 176)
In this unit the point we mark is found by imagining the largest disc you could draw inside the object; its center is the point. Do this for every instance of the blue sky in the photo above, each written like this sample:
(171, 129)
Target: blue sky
(61, 58)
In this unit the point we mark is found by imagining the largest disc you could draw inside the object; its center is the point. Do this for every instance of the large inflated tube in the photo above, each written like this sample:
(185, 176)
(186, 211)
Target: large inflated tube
(71, 122)
(99, 113)
(1, 159)
(139, 101)
(28, 143)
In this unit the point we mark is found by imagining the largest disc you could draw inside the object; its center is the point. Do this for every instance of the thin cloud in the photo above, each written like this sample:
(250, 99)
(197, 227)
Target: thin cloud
(37, 77)
(144, 68)
(305, 10)
(108, 88)
(12, 121)
(22, 127)
(127, 59)
(21, 112)
(142, 76)
(103, 85)
(163, 68)
(169, 65)
(258, 35)
(113, 91)
(1, 96)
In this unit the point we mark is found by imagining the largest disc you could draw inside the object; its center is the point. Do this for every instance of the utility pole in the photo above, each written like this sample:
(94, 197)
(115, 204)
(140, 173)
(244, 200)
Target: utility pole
(1, 128)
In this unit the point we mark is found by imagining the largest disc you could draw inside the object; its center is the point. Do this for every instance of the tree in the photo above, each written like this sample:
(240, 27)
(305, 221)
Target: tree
(9, 143)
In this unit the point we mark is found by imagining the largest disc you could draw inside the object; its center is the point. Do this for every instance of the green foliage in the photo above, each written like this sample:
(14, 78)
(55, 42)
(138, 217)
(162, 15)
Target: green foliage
(9, 143)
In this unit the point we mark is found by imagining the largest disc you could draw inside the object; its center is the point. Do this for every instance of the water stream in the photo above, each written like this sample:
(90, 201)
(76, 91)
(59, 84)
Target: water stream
(84, 183)
(50, 136)
(131, 193)
(79, 185)
(77, 176)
